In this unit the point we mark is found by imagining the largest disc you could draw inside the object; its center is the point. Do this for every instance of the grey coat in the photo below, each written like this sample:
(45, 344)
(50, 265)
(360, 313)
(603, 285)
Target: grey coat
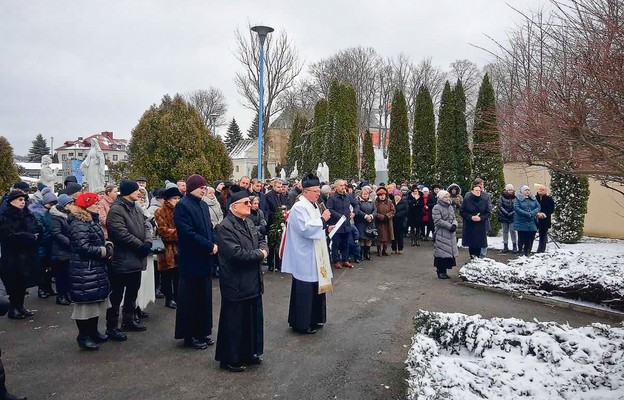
(445, 245)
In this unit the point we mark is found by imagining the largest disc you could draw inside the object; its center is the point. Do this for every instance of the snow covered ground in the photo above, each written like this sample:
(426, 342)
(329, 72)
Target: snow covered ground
(591, 271)
(456, 356)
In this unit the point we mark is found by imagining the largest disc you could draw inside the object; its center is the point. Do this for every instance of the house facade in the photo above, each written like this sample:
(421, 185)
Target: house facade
(115, 150)
(245, 156)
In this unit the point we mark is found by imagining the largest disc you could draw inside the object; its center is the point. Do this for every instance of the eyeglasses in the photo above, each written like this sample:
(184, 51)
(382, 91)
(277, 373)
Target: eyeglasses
(246, 203)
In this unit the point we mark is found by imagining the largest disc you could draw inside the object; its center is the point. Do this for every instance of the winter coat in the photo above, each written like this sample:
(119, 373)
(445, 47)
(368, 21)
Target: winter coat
(456, 202)
(525, 213)
(169, 235)
(547, 205)
(87, 273)
(506, 207)
(216, 213)
(128, 229)
(61, 241)
(104, 206)
(429, 200)
(257, 217)
(196, 237)
(342, 205)
(385, 213)
(261, 198)
(475, 233)
(445, 245)
(362, 209)
(415, 210)
(274, 201)
(401, 216)
(43, 218)
(240, 259)
(19, 232)
(488, 200)
(292, 196)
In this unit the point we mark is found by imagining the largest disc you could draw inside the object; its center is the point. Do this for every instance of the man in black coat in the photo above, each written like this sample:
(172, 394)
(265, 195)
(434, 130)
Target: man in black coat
(274, 200)
(196, 248)
(544, 221)
(129, 231)
(242, 250)
(341, 204)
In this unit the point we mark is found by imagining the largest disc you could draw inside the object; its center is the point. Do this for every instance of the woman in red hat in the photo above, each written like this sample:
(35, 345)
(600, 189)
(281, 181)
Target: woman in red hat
(88, 279)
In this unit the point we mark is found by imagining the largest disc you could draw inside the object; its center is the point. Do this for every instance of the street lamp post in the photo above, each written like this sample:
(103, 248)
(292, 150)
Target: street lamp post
(262, 32)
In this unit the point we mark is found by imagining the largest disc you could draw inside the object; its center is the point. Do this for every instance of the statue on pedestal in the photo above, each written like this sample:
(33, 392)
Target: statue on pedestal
(295, 172)
(47, 176)
(93, 168)
(283, 174)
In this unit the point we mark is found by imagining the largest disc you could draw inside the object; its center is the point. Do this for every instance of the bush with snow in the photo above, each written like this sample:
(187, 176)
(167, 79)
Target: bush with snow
(456, 356)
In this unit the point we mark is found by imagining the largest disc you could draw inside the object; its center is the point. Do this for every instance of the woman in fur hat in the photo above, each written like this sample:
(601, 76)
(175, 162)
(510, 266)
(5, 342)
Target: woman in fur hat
(168, 261)
(385, 228)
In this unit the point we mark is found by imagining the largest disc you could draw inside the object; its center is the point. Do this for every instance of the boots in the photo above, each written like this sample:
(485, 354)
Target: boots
(515, 249)
(378, 251)
(96, 335)
(384, 251)
(413, 240)
(505, 248)
(367, 255)
(84, 339)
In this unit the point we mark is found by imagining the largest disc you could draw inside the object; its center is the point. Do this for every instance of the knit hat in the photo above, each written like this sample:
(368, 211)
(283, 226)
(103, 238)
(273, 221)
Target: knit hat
(72, 187)
(64, 200)
(158, 193)
(425, 189)
(171, 192)
(40, 186)
(69, 179)
(23, 186)
(16, 194)
(524, 187)
(47, 196)
(169, 184)
(238, 193)
(382, 189)
(395, 192)
(442, 193)
(195, 181)
(86, 200)
(509, 186)
(127, 187)
(215, 184)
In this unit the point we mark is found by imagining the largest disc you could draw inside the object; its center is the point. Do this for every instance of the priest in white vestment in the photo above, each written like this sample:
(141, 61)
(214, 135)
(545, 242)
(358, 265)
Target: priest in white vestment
(306, 257)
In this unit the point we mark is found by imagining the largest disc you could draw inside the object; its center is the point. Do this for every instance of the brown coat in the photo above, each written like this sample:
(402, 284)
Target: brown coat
(385, 213)
(169, 235)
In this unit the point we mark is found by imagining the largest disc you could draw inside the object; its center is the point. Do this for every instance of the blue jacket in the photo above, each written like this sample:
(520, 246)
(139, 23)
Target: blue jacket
(196, 238)
(525, 210)
(340, 205)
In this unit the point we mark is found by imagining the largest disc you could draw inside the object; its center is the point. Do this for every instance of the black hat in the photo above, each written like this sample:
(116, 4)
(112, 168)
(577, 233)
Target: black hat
(216, 183)
(141, 179)
(127, 187)
(171, 192)
(23, 186)
(69, 179)
(72, 187)
(310, 180)
(158, 193)
(16, 194)
(237, 193)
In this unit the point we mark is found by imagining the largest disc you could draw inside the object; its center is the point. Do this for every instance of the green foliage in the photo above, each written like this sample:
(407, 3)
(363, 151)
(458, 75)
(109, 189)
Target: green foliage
(233, 135)
(295, 150)
(399, 146)
(487, 149)
(463, 167)
(424, 139)
(119, 171)
(446, 138)
(342, 134)
(171, 140)
(570, 194)
(254, 171)
(368, 158)
(252, 132)
(39, 149)
(55, 158)
(277, 227)
(317, 142)
(8, 169)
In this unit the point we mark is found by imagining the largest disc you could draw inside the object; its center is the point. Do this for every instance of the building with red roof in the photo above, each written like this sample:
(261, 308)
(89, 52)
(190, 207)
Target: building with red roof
(115, 150)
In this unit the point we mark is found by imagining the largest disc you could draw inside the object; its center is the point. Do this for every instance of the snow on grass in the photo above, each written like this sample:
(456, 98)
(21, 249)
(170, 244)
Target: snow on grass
(456, 356)
(591, 271)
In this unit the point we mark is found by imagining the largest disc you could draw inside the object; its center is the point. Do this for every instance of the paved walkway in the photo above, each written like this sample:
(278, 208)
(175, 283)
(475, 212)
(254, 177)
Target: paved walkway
(357, 355)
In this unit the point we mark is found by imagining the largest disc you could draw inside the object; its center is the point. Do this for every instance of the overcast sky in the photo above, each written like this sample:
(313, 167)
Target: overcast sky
(75, 68)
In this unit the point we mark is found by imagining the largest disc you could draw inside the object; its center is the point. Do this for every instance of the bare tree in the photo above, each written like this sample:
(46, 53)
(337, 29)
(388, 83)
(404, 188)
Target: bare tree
(428, 75)
(211, 104)
(282, 67)
(470, 76)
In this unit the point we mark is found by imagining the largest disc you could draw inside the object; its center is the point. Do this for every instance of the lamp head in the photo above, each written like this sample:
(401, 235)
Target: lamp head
(262, 32)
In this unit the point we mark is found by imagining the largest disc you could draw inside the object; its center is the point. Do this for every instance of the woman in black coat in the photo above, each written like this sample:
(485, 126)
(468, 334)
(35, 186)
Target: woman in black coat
(257, 216)
(87, 273)
(365, 213)
(61, 247)
(19, 237)
(415, 205)
(400, 221)
(476, 214)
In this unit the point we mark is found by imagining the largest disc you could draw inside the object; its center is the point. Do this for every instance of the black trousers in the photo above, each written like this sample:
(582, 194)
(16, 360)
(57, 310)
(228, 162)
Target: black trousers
(60, 271)
(273, 260)
(130, 283)
(3, 389)
(474, 251)
(543, 239)
(169, 284)
(399, 232)
(525, 241)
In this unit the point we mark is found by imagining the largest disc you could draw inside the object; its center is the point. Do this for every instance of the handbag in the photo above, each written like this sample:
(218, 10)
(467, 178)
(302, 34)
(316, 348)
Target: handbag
(371, 232)
(158, 247)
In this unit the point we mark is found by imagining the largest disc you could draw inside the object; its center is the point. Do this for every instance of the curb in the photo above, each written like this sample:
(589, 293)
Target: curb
(601, 313)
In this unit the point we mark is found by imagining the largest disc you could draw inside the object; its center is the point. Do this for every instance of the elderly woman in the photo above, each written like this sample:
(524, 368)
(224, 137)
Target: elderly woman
(400, 221)
(385, 213)
(216, 213)
(457, 200)
(526, 209)
(19, 238)
(445, 245)
(110, 195)
(168, 261)
(365, 213)
(475, 211)
(257, 216)
(87, 273)
(416, 207)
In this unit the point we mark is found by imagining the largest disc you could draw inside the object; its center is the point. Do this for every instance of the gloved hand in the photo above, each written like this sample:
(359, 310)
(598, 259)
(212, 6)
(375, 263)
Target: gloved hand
(110, 250)
(146, 249)
(453, 228)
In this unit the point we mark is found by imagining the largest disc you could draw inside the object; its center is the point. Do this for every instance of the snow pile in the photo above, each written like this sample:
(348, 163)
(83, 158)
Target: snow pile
(593, 276)
(456, 356)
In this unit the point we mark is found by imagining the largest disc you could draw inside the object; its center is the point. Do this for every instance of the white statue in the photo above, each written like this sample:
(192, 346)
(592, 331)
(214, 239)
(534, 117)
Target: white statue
(325, 172)
(319, 172)
(47, 176)
(93, 167)
(295, 172)
(282, 174)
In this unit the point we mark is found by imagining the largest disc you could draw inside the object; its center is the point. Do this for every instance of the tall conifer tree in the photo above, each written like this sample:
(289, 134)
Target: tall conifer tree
(570, 194)
(462, 153)
(233, 135)
(446, 138)
(424, 138)
(38, 149)
(368, 158)
(295, 145)
(399, 147)
(341, 137)
(8, 170)
(321, 125)
(252, 132)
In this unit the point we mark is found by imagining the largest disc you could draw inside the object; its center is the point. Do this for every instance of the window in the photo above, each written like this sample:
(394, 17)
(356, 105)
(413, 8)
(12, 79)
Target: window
(71, 154)
(115, 157)
(106, 156)
(64, 157)
(237, 168)
(79, 154)
(125, 156)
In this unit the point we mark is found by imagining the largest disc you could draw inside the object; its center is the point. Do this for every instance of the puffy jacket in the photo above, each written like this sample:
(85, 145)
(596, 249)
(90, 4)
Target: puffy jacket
(128, 229)
(547, 206)
(342, 204)
(526, 209)
(445, 245)
(506, 207)
(59, 228)
(43, 218)
(88, 278)
(362, 209)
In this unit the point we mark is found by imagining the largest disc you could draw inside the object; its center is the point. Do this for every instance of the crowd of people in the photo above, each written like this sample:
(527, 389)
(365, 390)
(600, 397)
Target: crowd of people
(96, 247)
